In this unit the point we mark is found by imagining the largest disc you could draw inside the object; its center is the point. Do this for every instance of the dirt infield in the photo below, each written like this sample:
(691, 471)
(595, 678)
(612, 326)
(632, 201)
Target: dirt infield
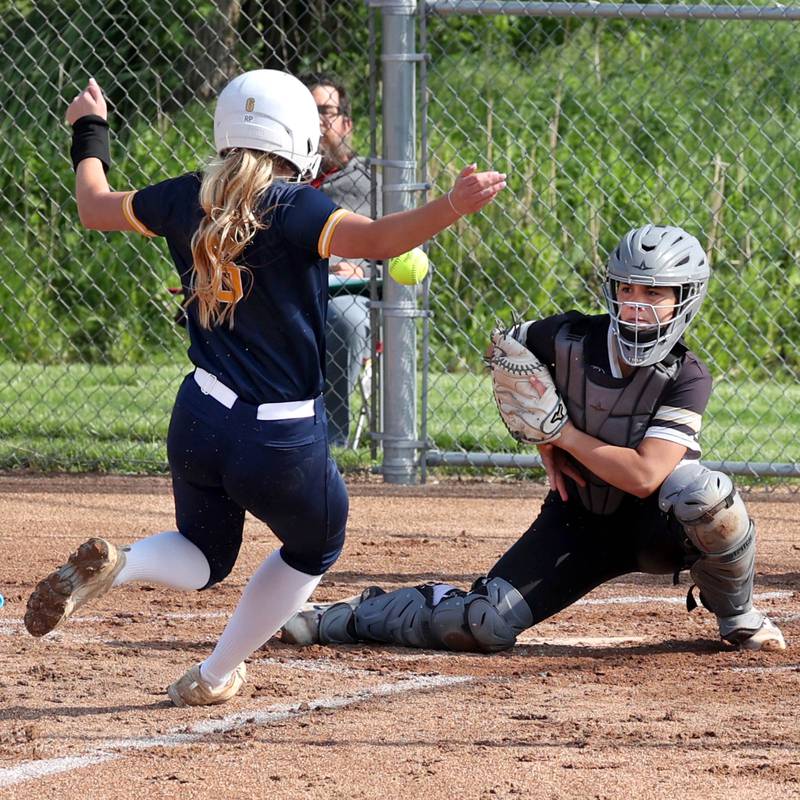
(622, 695)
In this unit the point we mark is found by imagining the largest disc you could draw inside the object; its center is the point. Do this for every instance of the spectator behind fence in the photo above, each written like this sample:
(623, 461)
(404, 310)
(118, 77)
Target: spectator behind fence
(344, 177)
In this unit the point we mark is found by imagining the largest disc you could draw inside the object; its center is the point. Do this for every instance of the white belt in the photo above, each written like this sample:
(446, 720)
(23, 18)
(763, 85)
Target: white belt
(211, 385)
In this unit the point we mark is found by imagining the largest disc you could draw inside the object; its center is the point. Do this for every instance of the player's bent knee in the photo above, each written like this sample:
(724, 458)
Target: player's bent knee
(486, 619)
(312, 562)
(708, 506)
(716, 522)
(220, 565)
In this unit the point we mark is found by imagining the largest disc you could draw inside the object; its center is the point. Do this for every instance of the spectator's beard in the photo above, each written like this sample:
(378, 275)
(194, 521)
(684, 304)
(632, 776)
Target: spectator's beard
(334, 158)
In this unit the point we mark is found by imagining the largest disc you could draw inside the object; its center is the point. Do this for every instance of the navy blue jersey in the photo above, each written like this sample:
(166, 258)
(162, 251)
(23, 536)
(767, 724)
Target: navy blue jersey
(275, 350)
(679, 415)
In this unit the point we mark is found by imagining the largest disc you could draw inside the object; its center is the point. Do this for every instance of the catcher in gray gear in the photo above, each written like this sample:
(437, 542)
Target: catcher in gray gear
(615, 404)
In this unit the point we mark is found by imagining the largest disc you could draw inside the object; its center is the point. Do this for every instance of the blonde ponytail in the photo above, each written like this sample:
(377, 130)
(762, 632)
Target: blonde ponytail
(229, 195)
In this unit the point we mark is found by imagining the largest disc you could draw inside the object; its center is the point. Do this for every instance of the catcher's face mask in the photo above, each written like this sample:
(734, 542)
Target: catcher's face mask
(646, 306)
(648, 265)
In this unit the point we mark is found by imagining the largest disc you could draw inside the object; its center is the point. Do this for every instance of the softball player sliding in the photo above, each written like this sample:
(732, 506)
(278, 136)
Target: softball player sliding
(250, 239)
(628, 491)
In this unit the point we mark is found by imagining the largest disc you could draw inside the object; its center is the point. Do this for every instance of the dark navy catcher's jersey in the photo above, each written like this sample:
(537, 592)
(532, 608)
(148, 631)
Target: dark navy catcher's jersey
(678, 416)
(275, 350)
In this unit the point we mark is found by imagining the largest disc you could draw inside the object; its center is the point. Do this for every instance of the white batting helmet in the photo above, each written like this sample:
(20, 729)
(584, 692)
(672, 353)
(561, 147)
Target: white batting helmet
(272, 111)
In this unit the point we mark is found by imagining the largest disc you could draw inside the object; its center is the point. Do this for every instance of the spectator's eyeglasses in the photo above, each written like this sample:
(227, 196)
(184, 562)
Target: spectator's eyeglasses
(329, 112)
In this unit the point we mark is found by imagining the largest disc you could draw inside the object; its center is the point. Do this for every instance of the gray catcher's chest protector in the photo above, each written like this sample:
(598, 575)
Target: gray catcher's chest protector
(615, 411)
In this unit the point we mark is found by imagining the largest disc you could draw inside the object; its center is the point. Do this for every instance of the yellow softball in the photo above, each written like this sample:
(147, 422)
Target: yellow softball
(409, 268)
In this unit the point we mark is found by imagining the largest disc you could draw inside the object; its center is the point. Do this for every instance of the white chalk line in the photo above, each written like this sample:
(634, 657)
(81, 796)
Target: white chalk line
(12, 627)
(9, 626)
(583, 641)
(782, 668)
(636, 599)
(113, 749)
(140, 617)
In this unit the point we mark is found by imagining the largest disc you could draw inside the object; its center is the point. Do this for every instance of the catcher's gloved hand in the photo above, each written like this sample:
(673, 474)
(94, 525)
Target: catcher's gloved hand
(532, 410)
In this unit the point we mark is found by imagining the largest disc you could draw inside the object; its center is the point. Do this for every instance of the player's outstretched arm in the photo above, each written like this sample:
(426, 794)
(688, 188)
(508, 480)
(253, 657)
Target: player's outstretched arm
(98, 207)
(357, 236)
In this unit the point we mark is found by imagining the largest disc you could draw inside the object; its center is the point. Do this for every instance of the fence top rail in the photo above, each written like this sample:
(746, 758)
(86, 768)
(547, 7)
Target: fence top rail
(595, 10)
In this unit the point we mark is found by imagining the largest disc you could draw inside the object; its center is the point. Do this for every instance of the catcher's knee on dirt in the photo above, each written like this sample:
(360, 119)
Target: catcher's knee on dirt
(486, 619)
(714, 517)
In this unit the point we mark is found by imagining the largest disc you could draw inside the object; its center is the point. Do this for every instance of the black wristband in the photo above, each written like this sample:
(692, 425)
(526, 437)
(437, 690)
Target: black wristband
(90, 140)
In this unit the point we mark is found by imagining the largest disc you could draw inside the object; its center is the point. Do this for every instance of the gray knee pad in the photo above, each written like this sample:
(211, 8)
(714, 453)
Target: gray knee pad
(400, 617)
(714, 517)
(486, 619)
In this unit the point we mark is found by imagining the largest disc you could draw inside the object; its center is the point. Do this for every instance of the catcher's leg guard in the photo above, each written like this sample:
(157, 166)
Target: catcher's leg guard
(399, 617)
(713, 515)
(336, 622)
(486, 619)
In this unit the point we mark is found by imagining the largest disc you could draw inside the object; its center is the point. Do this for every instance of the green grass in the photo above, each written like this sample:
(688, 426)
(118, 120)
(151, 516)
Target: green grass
(93, 418)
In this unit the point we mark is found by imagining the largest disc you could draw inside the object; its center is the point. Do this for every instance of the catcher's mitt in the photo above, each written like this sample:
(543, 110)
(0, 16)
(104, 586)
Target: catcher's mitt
(533, 412)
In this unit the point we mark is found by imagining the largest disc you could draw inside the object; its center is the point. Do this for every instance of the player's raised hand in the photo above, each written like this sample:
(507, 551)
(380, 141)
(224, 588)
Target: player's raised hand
(473, 190)
(89, 101)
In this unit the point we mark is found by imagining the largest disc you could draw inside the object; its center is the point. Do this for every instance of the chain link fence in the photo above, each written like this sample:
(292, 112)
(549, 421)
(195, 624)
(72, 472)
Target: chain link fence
(601, 123)
(604, 123)
(90, 355)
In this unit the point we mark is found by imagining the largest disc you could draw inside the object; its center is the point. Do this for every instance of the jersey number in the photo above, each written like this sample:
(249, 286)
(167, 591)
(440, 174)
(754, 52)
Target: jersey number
(231, 290)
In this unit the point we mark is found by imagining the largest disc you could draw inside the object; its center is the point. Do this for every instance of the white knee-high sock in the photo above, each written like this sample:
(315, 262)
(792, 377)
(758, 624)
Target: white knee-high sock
(166, 558)
(272, 595)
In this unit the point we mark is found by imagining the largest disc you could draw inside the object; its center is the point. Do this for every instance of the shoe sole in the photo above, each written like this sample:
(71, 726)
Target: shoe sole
(177, 700)
(51, 602)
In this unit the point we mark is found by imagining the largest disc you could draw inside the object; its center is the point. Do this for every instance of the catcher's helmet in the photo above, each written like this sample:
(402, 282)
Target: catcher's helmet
(269, 110)
(656, 256)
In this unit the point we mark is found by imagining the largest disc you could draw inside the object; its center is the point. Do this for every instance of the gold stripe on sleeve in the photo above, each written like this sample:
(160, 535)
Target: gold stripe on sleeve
(324, 244)
(133, 221)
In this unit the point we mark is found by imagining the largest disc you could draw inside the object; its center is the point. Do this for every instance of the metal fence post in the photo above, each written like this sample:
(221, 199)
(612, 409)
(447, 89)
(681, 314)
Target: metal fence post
(399, 402)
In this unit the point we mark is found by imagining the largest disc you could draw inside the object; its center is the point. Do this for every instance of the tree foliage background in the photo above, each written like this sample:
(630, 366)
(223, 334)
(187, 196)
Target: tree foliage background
(600, 126)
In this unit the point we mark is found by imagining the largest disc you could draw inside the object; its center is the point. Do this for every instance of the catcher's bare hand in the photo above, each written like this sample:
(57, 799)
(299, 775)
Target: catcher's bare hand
(89, 101)
(526, 396)
(473, 190)
(557, 466)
